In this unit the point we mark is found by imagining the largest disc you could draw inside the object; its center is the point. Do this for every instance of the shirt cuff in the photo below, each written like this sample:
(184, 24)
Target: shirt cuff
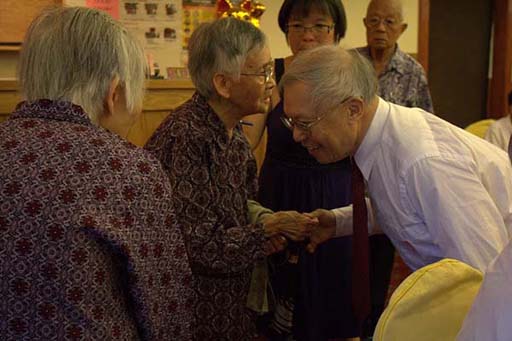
(343, 217)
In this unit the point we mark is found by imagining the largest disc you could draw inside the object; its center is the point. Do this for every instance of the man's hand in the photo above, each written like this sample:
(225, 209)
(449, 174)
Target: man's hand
(325, 230)
(291, 224)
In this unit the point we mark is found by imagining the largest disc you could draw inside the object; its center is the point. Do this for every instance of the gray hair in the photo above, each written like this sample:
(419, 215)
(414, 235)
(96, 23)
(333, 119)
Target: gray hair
(333, 74)
(74, 53)
(221, 46)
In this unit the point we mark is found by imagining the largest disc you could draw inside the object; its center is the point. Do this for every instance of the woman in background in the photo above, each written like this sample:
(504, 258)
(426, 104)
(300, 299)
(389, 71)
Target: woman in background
(313, 291)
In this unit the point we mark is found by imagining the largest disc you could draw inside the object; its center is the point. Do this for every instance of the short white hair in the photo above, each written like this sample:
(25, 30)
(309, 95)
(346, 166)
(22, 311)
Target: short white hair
(333, 74)
(221, 46)
(73, 54)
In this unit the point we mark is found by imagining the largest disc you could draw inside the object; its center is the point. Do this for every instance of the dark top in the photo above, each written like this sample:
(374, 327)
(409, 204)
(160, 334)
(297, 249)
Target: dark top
(291, 179)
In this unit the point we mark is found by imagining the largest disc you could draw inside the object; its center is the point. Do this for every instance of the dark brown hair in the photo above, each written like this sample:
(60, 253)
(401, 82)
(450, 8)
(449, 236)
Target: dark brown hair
(332, 7)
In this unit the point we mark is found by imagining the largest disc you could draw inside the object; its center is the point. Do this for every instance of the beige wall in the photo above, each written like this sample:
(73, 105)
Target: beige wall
(355, 37)
(356, 9)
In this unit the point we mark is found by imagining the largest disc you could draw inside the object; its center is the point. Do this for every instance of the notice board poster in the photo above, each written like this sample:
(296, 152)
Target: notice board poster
(157, 24)
(162, 26)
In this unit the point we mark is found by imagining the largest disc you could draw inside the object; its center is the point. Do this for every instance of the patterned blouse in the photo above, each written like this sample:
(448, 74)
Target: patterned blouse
(212, 177)
(89, 248)
(403, 82)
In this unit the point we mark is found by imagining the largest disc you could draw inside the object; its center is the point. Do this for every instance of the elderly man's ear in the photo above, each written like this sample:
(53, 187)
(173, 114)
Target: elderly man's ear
(403, 27)
(223, 84)
(356, 109)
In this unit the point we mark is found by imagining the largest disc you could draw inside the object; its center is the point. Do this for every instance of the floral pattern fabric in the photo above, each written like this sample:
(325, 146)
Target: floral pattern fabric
(89, 246)
(212, 177)
(403, 82)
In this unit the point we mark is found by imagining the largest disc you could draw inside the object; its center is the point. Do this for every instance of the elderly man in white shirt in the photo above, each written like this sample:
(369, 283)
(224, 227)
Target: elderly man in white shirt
(436, 190)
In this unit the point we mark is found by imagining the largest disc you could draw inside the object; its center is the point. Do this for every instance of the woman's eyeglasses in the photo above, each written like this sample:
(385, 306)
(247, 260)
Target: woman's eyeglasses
(316, 29)
(267, 73)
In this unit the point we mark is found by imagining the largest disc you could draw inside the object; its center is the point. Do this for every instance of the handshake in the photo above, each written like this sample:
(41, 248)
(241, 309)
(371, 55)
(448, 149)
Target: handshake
(315, 228)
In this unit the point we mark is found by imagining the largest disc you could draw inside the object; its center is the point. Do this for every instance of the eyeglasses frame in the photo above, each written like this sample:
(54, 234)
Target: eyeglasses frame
(383, 21)
(307, 126)
(311, 28)
(267, 73)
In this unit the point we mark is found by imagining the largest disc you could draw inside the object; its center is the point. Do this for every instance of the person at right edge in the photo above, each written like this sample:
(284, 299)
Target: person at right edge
(313, 292)
(402, 81)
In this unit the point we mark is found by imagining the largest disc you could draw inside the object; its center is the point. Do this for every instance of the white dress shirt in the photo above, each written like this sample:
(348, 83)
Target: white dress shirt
(499, 132)
(490, 316)
(437, 191)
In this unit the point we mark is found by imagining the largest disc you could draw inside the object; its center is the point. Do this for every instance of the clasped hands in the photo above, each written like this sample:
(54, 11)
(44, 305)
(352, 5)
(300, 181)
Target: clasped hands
(317, 226)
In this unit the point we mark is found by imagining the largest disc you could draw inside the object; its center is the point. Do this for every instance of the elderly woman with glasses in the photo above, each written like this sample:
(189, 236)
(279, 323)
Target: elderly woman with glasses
(89, 245)
(213, 174)
(313, 291)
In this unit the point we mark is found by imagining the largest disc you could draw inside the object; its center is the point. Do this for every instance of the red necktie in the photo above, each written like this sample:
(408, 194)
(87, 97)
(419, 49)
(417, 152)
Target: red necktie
(360, 250)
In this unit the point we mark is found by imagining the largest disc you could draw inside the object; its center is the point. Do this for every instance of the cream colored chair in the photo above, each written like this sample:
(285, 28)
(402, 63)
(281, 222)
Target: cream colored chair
(431, 304)
(479, 128)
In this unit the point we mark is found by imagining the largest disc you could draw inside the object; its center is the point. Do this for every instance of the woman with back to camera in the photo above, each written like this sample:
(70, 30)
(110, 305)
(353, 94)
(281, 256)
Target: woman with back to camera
(313, 291)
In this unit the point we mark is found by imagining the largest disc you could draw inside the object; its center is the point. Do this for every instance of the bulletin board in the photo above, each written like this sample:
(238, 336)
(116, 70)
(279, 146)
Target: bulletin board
(162, 26)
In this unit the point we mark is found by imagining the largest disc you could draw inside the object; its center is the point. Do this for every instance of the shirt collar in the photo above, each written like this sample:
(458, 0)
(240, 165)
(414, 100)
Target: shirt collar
(365, 155)
(397, 62)
(52, 110)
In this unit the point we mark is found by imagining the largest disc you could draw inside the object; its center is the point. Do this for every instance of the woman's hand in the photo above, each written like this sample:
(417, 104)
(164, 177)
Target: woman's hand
(291, 224)
(275, 244)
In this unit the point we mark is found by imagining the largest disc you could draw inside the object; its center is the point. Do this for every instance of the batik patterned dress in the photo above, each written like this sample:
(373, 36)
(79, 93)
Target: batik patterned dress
(89, 246)
(212, 177)
(403, 81)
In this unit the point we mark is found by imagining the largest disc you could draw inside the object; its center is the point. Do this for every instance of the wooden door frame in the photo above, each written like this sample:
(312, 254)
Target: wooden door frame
(423, 32)
(500, 83)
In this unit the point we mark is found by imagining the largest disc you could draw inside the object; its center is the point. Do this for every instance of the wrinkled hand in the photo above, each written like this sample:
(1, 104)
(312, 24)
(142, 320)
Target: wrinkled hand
(291, 224)
(275, 244)
(325, 230)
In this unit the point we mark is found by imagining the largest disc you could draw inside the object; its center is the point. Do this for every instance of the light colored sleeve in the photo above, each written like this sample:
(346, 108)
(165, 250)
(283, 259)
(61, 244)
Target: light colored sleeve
(344, 220)
(490, 316)
(460, 213)
(257, 212)
(496, 136)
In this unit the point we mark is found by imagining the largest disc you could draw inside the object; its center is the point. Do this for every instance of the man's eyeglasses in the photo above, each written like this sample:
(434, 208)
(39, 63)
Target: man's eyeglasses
(375, 21)
(267, 73)
(316, 29)
(306, 126)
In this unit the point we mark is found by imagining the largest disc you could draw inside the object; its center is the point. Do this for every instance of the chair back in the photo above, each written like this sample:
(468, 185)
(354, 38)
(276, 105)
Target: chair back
(430, 304)
(479, 128)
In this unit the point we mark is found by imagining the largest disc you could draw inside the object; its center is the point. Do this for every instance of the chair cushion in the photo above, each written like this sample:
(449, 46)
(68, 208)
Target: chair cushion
(431, 303)
(479, 128)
